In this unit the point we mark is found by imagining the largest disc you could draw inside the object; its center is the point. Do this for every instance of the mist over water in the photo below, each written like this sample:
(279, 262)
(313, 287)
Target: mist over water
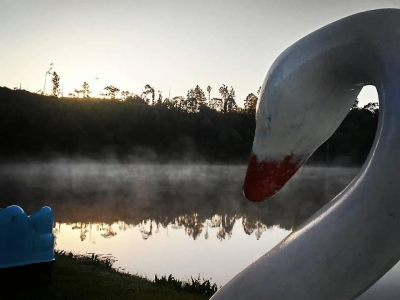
(183, 219)
(175, 188)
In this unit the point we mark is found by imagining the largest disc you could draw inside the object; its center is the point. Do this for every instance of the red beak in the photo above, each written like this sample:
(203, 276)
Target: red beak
(264, 179)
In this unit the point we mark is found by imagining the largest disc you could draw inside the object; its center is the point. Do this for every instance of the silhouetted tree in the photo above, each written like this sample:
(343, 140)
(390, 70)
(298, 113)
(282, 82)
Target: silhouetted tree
(355, 104)
(372, 107)
(177, 103)
(195, 99)
(148, 90)
(111, 91)
(85, 90)
(228, 98)
(78, 92)
(159, 100)
(250, 103)
(125, 94)
(190, 105)
(200, 97)
(209, 93)
(216, 104)
(56, 84)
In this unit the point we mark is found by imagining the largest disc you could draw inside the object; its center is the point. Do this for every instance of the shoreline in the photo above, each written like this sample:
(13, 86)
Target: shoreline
(92, 277)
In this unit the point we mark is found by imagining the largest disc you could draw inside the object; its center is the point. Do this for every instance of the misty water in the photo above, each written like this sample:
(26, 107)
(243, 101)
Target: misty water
(180, 219)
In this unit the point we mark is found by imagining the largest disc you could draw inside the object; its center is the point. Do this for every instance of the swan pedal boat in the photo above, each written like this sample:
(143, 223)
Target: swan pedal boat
(351, 242)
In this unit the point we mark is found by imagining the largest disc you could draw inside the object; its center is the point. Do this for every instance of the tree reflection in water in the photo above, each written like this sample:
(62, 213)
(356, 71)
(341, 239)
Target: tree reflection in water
(192, 226)
(93, 196)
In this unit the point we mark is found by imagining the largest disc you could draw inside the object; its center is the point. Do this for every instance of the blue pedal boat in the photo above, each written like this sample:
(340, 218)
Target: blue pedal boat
(26, 247)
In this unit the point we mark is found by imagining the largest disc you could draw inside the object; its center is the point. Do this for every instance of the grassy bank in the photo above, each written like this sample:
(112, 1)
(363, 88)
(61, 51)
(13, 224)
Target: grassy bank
(91, 277)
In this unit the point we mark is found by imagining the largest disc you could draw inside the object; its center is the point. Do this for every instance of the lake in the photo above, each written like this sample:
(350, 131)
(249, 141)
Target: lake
(180, 219)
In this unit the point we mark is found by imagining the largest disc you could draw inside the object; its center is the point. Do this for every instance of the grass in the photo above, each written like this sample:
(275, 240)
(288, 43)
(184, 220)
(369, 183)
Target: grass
(91, 277)
(195, 285)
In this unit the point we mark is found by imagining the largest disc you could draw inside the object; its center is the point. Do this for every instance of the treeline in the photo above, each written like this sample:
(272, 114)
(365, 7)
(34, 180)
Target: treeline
(192, 128)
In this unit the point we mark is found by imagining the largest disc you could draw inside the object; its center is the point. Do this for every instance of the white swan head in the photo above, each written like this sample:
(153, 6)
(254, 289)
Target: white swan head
(305, 96)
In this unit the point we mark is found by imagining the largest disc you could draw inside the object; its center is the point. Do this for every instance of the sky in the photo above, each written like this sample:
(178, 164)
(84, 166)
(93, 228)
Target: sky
(172, 45)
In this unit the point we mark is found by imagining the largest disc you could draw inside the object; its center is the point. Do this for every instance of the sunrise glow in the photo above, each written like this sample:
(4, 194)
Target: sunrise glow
(173, 46)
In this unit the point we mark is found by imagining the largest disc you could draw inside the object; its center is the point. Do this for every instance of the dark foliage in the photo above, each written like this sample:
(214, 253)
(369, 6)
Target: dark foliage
(37, 126)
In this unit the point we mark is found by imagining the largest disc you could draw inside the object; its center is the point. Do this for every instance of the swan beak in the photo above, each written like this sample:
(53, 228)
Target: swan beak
(265, 178)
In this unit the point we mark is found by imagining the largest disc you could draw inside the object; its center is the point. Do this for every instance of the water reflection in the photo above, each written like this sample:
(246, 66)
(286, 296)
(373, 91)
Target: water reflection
(179, 219)
(191, 224)
(170, 250)
(192, 197)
